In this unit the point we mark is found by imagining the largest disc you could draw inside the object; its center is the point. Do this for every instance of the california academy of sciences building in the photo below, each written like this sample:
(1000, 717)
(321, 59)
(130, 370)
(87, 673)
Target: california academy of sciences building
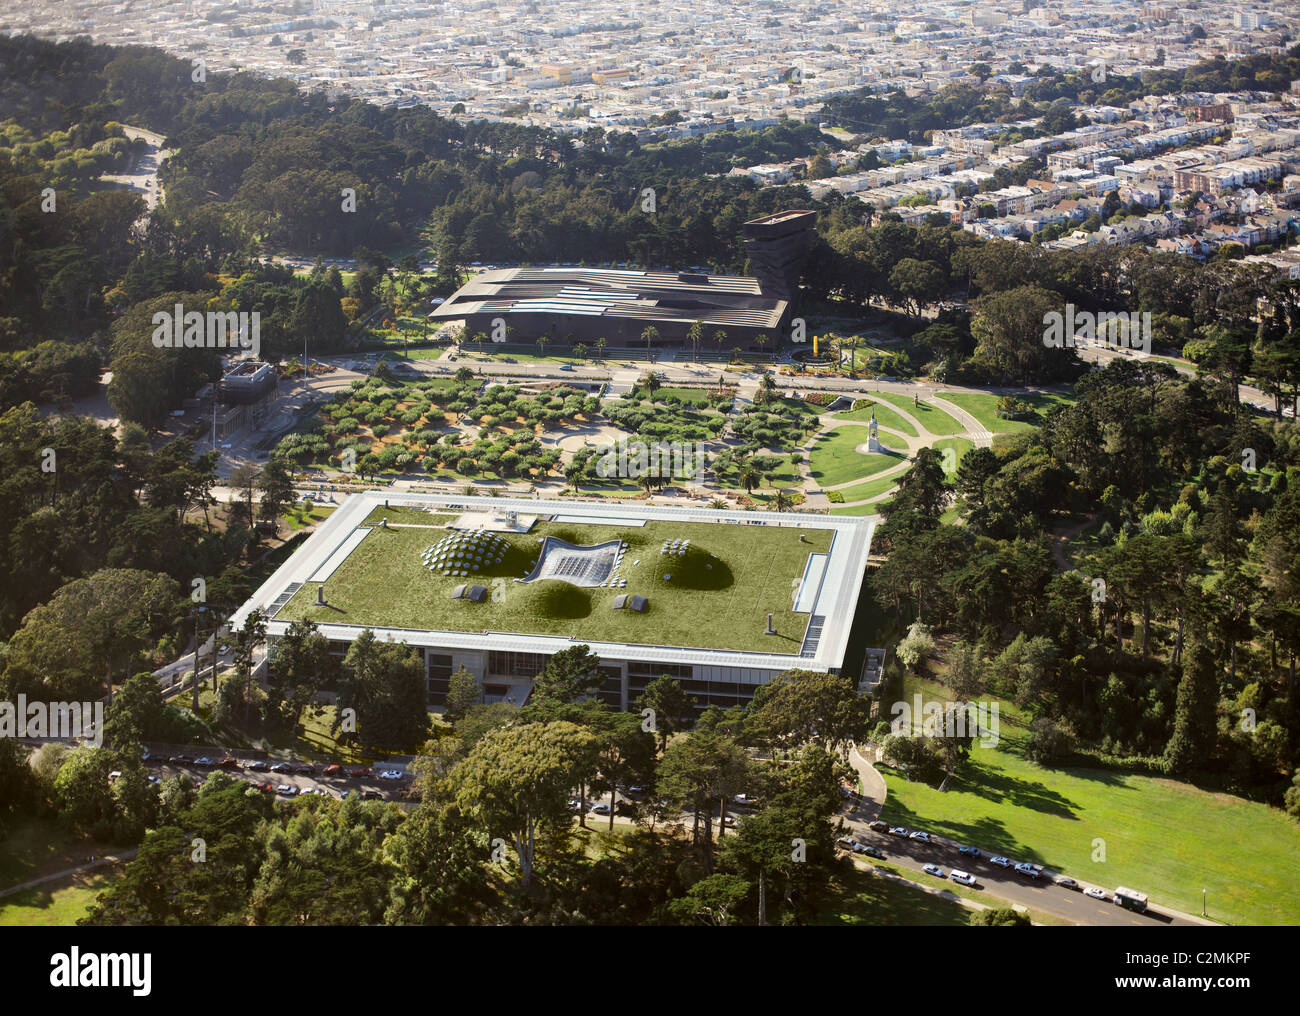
(422, 585)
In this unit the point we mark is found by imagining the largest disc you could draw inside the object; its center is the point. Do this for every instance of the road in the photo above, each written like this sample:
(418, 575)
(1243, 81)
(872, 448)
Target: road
(334, 786)
(1005, 884)
(143, 176)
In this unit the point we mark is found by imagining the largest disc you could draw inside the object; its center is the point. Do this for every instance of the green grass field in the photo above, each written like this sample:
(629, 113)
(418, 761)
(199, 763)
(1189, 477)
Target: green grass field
(693, 396)
(984, 409)
(936, 421)
(1162, 837)
(959, 445)
(834, 458)
(886, 417)
(56, 904)
(862, 491)
(718, 595)
(861, 896)
(401, 515)
(35, 847)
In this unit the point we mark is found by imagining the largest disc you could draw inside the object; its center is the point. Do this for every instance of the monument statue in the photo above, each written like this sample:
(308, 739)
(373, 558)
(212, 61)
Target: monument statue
(873, 441)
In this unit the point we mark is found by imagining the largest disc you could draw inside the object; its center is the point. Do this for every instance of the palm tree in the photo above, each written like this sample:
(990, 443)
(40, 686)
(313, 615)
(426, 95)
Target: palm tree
(718, 503)
(760, 340)
(469, 490)
(650, 382)
(600, 348)
(542, 341)
(781, 502)
(720, 337)
(649, 333)
(646, 482)
(749, 476)
(694, 334)
(580, 350)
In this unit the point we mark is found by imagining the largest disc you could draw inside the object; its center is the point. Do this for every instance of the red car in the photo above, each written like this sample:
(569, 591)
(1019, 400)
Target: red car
(266, 788)
(229, 762)
(361, 774)
(333, 771)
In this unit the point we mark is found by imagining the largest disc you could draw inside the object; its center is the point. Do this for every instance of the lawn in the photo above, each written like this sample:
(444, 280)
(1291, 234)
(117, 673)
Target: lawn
(692, 396)
(56, 904)
(862, 896)
(1162, 837)
(862, 491)
(402, 515)
(936, 421)
(886, 417)
(834, 458)
(718, 596)
(298, 519)
(959, 445)
(860, 510)
(984, 409)
(35, 847)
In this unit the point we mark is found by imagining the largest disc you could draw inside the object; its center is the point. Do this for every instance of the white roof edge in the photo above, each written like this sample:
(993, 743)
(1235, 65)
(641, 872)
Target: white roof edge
(858, 531)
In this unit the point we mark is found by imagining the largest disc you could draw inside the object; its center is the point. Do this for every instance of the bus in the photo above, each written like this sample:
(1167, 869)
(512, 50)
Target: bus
(1131, 900)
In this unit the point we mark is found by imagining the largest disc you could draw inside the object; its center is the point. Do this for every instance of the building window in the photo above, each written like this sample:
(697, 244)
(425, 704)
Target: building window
(439, 670)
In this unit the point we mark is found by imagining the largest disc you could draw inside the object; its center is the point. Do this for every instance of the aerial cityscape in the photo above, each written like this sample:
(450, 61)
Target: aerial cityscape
(745, 464)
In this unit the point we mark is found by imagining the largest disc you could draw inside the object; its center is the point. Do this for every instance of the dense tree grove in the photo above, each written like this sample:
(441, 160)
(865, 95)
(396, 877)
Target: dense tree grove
(491, 839)
(1174, 644)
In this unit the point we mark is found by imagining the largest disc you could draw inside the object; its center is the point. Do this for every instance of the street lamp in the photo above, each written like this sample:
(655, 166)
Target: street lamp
(1203, 913)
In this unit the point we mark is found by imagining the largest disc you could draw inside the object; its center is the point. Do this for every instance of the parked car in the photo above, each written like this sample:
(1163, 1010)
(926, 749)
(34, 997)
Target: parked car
(746, 800)
(898, 830)
(266, 788)
(963, 878)
(1095, 893)
(935, 870)
(566, 366)
(600, 809)
(361, 773)
(371, 795)
(391, 774)
(924, 837)
(204, 762)
(282, 767)
(287, 789)
(1065, 882)
(332, 771)
(848, 843)
(729, 821)
(155, 780)
(313, 792)
(969, 851)
(258, 766)
(1029, 870)
(179, 760)
(144, 755)
(116, 774)
(305, 767)
(872, 851)
(878, 826)
(229, 762)
(1002, 862)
